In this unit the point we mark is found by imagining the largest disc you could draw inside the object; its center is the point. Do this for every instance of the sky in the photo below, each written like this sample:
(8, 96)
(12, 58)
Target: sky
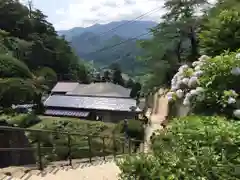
(66, 14)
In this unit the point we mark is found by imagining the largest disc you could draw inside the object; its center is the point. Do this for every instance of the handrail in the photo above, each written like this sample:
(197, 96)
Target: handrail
(89, 137)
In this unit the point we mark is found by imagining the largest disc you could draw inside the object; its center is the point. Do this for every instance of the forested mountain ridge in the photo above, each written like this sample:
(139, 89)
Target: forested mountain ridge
(100, 44)
(125, 29)
(32, 55)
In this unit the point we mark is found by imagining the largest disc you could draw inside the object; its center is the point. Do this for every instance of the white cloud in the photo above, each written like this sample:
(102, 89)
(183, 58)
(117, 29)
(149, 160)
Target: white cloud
(86, 12)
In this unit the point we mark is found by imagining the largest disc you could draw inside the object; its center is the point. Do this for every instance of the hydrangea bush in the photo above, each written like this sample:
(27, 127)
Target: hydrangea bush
(209, 85)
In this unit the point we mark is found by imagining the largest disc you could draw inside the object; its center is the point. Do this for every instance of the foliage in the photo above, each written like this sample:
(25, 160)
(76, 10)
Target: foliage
(30, 45)
(16, 91)
(28, 120)
(80, 146)
(211, 85)
(221, 32)
(194, 147)
(135, 91)
(48, 74)
(135, 129)
(12, 67)
(174, 41)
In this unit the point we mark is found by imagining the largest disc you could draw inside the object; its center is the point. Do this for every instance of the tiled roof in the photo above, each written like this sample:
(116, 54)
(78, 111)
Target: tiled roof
(66, 113)
(65, 86)
(84, 102)
(101, 89)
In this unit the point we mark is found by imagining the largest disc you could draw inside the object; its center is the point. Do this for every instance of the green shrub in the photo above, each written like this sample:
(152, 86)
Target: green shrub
(16, 91)
(28, 120)
(135, 129)
(12, 67)
(191, 148)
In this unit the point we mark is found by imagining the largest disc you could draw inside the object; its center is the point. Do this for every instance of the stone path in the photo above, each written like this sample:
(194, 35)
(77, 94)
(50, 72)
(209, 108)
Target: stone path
(102, 170)
(156, 116)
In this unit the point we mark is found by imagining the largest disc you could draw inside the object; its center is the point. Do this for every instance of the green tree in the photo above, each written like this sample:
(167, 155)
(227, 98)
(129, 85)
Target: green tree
(117, 75)
(221, 32)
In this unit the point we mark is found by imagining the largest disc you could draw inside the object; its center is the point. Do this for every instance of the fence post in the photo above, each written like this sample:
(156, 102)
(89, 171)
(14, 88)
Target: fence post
(104, 156)
(69, 149)
(129, 146)
(114, 147)
(39, 152)
(123, 145)
(90, 148)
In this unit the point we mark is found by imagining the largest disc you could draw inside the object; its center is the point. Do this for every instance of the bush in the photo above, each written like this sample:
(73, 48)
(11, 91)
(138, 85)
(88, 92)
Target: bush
(16, 91)
(135, 129)
(191, 148)
(57, 143)
(12, 67)
(210, 86)
(28, 120)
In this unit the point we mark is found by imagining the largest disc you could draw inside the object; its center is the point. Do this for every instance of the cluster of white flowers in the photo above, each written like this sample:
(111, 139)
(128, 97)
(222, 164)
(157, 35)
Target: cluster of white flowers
(236, 70)
(186, 81)
(236, 113)
(185, 84)
(232, 95)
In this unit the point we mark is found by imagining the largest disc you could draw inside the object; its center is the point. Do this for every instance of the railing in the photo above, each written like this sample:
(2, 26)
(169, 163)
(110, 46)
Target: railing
(86, 146)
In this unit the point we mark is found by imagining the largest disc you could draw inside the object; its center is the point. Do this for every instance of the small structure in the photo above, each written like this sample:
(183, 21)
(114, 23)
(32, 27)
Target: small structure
(64, 87)
(96, 101)
(108, 109)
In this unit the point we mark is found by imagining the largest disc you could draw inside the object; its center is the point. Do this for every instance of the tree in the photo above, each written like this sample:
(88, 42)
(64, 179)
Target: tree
(135, 91)
(12, 67)
(174, 41)
(106, 76)
(117, 75)
(129, 83)
(221, 32)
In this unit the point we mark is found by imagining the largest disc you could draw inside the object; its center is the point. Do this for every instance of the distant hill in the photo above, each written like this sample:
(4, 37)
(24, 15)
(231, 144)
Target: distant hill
(88, 41)
(129, 29)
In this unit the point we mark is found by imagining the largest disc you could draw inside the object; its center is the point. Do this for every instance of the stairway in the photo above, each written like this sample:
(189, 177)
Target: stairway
(101, 170)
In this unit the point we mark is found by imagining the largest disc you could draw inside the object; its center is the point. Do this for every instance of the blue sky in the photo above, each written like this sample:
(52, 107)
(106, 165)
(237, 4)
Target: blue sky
(66, 14)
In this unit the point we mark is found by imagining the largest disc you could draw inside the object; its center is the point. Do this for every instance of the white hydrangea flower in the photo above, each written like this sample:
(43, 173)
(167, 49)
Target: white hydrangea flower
(238, 56)
(183, 68)
(193, 81)
(185, 81)
(197, 68)
(174, 88)
(233, 93)
(199, 89)
(236, 113)
(179, 93)
(186, 102)
(194, 92)
(204, 58)
(235, 71)
(188, 95)
(198, 73)
(231, 100)
(195, 63)
(170, 96)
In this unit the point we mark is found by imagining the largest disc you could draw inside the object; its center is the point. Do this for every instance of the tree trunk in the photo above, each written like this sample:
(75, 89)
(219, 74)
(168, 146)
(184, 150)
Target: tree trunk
(194, 45)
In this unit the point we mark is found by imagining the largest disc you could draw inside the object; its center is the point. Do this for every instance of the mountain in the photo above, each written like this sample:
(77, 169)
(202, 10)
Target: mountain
(104, 49)
(126, 29)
